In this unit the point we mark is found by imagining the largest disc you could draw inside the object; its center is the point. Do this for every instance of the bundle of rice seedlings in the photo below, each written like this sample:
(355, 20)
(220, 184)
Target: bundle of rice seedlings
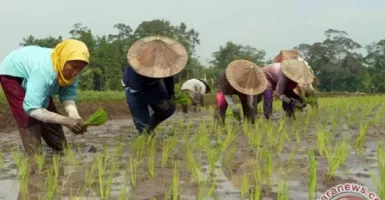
(99, 117)
(182, 98)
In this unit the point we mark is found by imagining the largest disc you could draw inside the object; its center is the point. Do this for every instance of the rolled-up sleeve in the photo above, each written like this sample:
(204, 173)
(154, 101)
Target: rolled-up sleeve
(37, 92)
(69, 92)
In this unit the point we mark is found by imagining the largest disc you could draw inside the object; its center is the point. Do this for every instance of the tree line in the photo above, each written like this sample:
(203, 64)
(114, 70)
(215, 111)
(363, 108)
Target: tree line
(336, 61)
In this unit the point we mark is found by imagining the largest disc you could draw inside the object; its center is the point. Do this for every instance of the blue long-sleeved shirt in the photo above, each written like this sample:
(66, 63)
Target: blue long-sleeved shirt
(138, 82)
(34, 65)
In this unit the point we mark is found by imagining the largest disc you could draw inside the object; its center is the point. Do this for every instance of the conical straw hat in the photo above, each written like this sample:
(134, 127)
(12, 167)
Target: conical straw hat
(246, 77)
(157, 57)
(286, 54)
(297, 71)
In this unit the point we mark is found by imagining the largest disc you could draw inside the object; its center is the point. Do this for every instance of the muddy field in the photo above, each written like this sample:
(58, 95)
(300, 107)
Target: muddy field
(194, 159)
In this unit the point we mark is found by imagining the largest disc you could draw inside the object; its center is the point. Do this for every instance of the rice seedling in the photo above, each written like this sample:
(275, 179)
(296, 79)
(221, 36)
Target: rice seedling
(52, 183)
(282, 190)
(361, 139)
(192, 163)
(132, 164)
(268, 168)
(151, 156)
(175, 182)
(255, 194)
(206, 187)
(104, 186)
(139, 146)
(244, 185)
(322, 139)
(312, 170)
(70, 156)
(379, 180)
(341, 152)
(90, 174)
(167, 146)
(99, 117)
(39, 158)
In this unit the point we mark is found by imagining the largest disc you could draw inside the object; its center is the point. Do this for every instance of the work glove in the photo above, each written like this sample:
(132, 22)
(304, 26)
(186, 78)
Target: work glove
(291, 101)
(297, 104)
(76, 126)
(236, 112)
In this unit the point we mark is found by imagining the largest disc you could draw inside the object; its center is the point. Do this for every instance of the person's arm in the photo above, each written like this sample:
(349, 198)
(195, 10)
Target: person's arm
(169, 84)
(281, 86)
(67, 96)
(37, 92)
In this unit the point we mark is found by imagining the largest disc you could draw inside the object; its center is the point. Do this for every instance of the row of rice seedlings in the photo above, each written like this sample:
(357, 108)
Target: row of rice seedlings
(379, 180)
(341, 153)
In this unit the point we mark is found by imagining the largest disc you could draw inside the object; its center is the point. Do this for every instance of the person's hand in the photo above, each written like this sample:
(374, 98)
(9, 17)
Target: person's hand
(76, 126)
(297, 103)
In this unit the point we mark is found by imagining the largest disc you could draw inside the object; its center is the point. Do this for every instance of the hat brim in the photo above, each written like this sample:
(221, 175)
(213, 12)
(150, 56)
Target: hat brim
(157, 57)
(297, 71)
(246, 77)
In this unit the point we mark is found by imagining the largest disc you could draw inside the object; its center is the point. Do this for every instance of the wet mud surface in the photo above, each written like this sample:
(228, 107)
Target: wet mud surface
(204, 161)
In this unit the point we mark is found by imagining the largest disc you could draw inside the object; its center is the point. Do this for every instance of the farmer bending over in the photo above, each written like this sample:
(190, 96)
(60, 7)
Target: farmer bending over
(196, 89)
(30, 76)
(244, 79)
(286, 79)
(148, 80)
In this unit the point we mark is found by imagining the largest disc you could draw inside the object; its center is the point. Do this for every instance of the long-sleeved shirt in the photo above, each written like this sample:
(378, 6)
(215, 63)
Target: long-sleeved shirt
(34, 65)
(137, 82)
(276, 79)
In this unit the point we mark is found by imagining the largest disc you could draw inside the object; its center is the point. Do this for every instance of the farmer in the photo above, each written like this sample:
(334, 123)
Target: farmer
(148, 80)
(30, 76)
(195, 89)
(286, 78)
(244, 79)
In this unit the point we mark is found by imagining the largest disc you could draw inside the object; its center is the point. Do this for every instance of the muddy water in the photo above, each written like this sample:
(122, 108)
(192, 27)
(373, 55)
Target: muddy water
(114, 132)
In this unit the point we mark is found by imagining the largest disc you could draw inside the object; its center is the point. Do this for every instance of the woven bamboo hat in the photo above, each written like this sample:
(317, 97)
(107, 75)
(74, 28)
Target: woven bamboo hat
(286, 54)
(297, 71)
(246, 77)
(157, 57)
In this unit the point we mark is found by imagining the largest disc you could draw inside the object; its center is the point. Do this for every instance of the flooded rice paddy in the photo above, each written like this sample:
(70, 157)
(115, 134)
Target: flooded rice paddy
(197, 160)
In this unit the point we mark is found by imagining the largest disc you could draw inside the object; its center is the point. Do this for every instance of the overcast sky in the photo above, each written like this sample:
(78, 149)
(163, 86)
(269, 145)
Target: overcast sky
(270, 24)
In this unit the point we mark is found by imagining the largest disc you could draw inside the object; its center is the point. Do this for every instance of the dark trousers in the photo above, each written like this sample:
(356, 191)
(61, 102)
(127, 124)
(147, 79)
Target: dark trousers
(268, 102)
(31, 130)
(152, 96)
